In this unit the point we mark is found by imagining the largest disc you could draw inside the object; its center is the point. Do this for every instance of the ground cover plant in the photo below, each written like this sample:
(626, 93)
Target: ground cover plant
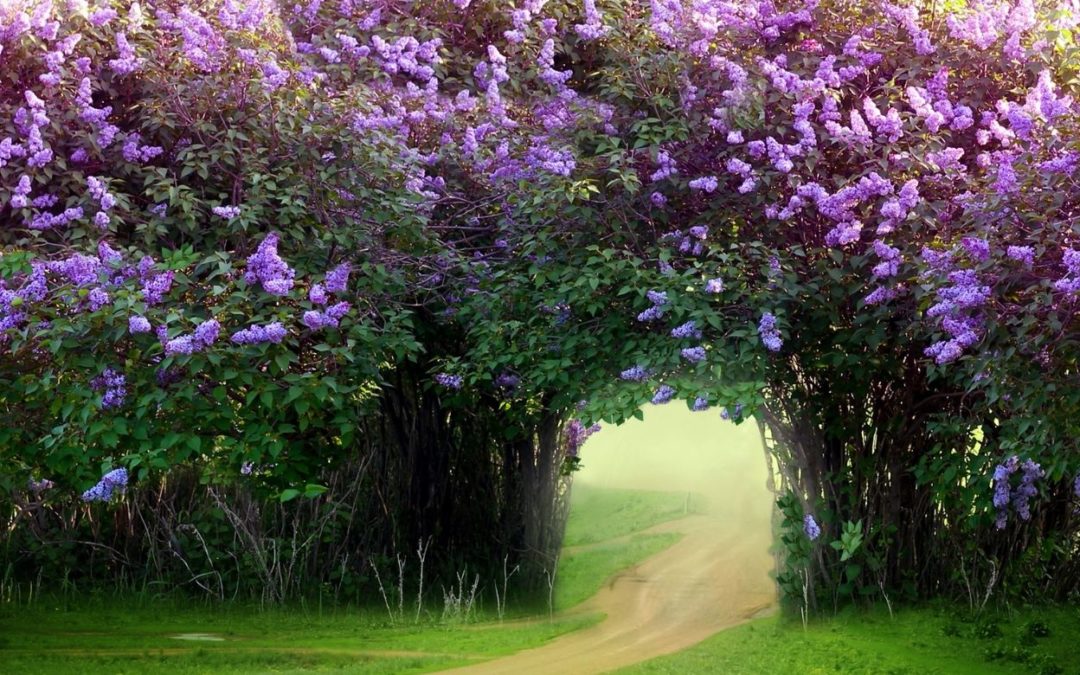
(917, 640)
(137, 633)
(321, 300)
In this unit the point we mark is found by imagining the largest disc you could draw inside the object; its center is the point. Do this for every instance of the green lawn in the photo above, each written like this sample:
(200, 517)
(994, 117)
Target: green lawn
(140, 640)
(96, 636)
(100, 637)
(582, 573)
(923, 641)
(600, 514)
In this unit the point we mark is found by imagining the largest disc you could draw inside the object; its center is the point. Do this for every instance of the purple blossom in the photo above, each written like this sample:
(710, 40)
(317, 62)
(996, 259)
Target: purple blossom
(576, 433)
(714, 286)
(267, 267)
(206, 333)
(449, 381)
(700, 404)
(634, 374)
(184, 344)
(113, 384)
(811, 528)
(686, 330)
(38, 486)
(663, 394)
(770, 335)
(1022, 254)
(694, 354)
(138, 324)
(271, 332)
(337, 279)
(114, 481)
(705, 183)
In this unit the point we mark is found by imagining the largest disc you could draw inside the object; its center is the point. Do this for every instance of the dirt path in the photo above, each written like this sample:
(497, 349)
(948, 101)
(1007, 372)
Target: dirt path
(715, 577)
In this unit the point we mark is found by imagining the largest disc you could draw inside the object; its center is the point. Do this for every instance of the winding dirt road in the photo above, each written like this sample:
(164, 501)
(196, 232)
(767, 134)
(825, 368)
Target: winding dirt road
(716, 576)
(713, 578)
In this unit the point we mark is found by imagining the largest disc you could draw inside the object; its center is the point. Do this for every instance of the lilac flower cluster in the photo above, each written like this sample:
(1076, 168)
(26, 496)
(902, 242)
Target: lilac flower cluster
(634, 374)
(736, 413)
(155, 285)
(39, 486)
(205, 335)
(811, 528)
(700, 404)
(507, 381)
(663, 394)
(1070, 283)
(593, 27)
(106, 200)
(449, 381)
(138, 324)
(686, 330)
(228, 213)
(266, 267)
(659, 302)
(694, 354)
(113, 386)
(958, 306)
(272, 332)
(318, 319)
(769, 333)
(576, 434)
(114, 481)
(1019, 497)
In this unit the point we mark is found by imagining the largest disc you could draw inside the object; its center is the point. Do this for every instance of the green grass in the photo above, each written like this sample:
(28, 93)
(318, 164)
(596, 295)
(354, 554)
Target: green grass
(139, 640)
(583, 573)
(600, 514)
(95, 636)
(924, 641)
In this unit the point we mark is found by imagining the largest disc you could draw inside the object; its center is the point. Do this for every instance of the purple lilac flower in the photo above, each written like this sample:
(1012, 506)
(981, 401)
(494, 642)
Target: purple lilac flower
(663, 394)
(706, 184)
(317, 294)
(811, 528)
(686, 330)
(449, 381)
(98, 298)
(266, 267)
(38, 486)
(1031, 472)
(770, 335)
(725, 414)
(206, 333)
(694, 354)
(700, 403)
(634, 374)
(114, 481)
(246, 468)
(576, 435)
(184, 344)
(271, 332)
(714, 286)
(113, 386)
(338, 278)
(1022, 254)
(507, 381)
(138, 324)
(226, 212)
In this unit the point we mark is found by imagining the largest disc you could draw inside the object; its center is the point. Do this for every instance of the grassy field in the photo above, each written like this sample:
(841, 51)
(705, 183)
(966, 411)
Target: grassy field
(926, 641)
(602, 514)
(90, 637)
(103, 637)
